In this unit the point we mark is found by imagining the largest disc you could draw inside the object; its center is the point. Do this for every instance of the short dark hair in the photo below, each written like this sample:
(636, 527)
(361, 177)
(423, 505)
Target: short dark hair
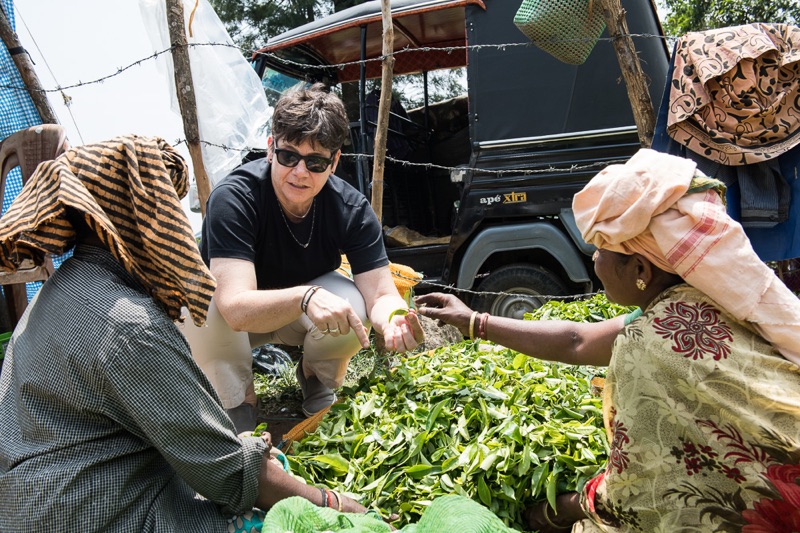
(312, 114)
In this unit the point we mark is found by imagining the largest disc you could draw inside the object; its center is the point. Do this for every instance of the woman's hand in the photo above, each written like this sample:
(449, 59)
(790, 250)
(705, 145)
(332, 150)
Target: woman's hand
(264, 435)
(349, 505)
(335, 316)
(445, 308)
(544, 519)
(404, 332)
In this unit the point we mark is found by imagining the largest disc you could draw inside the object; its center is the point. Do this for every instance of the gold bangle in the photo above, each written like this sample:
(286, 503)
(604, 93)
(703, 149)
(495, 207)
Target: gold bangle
(472, 325)
(338, 499)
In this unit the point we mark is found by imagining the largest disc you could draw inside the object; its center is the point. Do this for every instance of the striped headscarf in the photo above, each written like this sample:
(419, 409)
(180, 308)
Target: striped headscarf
(129, 190)
(652, 205)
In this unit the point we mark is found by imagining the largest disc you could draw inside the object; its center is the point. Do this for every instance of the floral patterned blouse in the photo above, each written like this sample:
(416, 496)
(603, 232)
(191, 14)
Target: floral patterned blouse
(703, 418)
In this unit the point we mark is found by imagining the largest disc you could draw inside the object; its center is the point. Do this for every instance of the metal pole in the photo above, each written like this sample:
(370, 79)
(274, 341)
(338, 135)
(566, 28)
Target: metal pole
(363, 167)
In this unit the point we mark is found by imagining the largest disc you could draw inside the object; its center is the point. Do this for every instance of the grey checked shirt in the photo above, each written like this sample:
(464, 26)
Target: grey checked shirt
(106, 422)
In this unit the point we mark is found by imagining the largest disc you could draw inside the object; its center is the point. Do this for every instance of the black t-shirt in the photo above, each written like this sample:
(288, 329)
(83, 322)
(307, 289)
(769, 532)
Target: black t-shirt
(243, 221)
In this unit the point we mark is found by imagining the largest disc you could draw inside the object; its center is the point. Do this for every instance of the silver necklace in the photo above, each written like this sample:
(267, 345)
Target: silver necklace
(301, 217)
(313, 219)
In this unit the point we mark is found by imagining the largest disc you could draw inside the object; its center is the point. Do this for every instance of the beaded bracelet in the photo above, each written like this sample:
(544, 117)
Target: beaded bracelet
(472, 325)
(324, 497)
(307, 297)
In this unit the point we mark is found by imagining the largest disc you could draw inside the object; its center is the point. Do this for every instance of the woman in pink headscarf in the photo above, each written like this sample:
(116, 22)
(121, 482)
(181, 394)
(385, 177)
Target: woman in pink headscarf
(701, 404)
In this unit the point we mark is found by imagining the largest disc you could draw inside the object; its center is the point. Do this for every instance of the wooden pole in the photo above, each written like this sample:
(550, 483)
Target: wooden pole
(632, 71)
(382, 126)
(14, 292)
(184, 86)
(25, 67)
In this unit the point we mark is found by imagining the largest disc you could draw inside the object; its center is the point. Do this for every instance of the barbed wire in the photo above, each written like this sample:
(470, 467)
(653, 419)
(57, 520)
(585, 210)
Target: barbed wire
(472, 293)
(250, 53)
(461, 168)
(451, 49)
(102, 79)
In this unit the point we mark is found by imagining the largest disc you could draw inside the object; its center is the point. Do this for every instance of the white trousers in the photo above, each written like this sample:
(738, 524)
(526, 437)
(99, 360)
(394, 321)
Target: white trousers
(225, 356)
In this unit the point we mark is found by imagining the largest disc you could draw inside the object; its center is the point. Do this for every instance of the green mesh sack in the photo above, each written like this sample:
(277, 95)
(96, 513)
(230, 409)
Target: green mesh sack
(446, 514)
(565, 29)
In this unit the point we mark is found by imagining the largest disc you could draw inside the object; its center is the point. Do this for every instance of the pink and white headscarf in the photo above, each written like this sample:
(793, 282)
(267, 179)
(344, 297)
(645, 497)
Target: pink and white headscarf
(643, 207)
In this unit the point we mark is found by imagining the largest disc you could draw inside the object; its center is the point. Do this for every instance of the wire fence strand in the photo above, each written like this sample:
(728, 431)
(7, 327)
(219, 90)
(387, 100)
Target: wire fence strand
(252, 53)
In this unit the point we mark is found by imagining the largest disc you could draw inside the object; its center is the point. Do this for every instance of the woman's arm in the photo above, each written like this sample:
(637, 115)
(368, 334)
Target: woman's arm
(244, 307)
(574, 343)
(274, 484)
(403, 331)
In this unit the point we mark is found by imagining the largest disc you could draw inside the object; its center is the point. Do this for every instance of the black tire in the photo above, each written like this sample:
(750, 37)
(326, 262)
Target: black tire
(523, 288)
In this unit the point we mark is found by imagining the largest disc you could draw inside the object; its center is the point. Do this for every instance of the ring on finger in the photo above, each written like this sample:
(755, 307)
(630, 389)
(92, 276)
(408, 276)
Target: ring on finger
(334, 330)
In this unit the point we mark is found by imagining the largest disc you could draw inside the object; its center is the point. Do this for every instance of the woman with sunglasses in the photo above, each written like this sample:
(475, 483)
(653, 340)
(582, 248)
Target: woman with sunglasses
(274, 234)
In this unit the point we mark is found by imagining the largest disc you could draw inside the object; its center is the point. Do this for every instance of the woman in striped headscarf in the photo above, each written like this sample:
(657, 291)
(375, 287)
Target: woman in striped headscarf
(704, 432)
(107, 423)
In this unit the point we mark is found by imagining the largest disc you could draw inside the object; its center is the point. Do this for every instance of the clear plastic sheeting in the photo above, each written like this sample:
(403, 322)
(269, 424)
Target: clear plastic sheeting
(232, 110)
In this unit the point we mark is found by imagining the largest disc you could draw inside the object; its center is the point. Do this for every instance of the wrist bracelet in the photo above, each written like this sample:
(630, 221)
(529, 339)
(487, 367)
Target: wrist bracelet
(324, 497)
(330, 499)
(482, 321)
(550, 522)
(338, 500)
(472, 325)
(307, 297)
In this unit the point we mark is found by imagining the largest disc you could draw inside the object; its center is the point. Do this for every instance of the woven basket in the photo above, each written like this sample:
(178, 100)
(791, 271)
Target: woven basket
(565, 29)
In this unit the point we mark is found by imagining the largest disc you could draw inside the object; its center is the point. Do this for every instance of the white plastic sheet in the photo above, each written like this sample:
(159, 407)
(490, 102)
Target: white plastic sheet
(232, 110)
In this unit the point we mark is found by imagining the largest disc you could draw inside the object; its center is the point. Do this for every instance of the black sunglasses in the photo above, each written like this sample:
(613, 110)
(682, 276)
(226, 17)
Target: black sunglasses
(314, 163)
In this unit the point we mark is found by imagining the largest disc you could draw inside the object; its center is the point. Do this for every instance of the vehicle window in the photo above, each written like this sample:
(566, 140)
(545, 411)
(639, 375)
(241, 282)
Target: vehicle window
(275, 84)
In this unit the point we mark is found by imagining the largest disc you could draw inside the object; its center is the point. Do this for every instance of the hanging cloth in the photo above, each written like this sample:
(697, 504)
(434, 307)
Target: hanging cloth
(763, 185)
(735, 95)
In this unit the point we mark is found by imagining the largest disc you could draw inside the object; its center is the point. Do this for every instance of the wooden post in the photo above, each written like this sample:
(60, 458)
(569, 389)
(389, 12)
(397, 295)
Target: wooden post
(25, 67)
(382, 126)
(632, 71)
(184, 86)
(15, 294)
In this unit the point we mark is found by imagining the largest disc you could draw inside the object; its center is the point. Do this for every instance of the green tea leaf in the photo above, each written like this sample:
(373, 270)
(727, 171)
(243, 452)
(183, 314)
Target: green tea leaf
(397, 312)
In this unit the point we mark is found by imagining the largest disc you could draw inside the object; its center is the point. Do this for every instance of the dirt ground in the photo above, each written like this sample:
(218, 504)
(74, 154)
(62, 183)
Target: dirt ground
(280, 407)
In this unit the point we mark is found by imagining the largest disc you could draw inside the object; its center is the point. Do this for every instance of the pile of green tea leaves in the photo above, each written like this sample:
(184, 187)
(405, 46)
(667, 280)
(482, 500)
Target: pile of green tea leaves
(595, 309)
(474, 419)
